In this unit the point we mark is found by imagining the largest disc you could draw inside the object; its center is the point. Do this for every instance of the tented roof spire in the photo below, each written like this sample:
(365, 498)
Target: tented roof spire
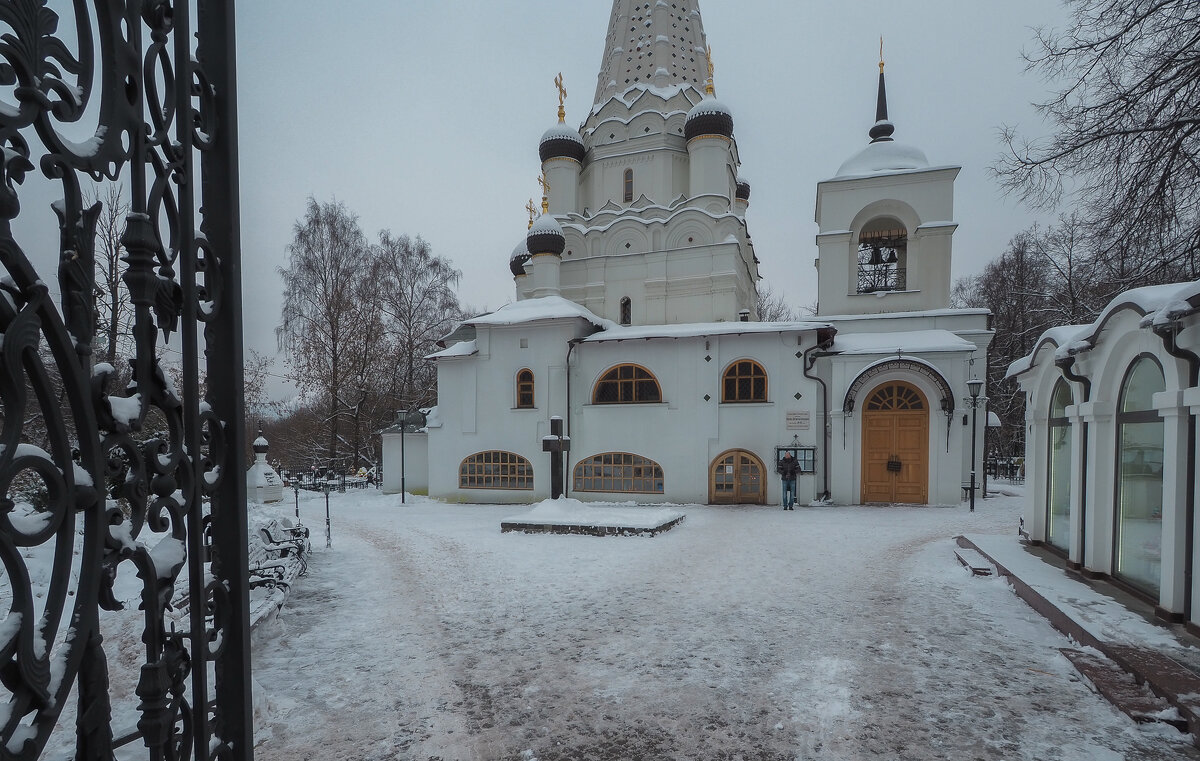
(882, 130)
(653, 43)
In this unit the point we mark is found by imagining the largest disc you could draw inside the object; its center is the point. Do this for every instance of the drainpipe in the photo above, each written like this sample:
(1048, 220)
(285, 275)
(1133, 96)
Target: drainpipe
(1169, 335)
(824, 341)
(1066, 366)
(571, 344)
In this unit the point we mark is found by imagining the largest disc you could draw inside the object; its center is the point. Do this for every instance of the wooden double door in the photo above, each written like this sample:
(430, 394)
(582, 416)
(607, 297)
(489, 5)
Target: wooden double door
(895, 445)
(737, 477)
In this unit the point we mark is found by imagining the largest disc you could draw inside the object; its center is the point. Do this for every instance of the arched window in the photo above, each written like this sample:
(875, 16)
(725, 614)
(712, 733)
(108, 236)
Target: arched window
(882, 256)
(896, 396)
(744, 381)
(619, 472)
(628, 185)
(627, 384)
(626, 311)
(525, 390)
(1058, 501)
(495, 470)
(1137, 540)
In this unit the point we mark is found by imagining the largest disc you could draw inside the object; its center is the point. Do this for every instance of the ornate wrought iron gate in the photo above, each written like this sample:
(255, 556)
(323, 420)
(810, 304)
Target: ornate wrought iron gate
(150, 473)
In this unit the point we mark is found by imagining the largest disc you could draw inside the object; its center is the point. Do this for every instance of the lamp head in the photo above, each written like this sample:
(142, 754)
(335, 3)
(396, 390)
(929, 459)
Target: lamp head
(973, 387)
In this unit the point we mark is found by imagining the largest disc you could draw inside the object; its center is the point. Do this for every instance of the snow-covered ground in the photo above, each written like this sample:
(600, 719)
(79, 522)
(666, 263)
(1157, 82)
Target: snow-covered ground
(743, 633)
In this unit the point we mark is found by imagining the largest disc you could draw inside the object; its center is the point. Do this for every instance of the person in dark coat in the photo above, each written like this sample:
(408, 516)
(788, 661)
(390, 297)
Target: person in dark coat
(788, 467)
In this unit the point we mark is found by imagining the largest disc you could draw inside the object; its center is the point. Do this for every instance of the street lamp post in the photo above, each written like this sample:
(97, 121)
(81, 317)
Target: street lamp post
(328, 529)
(974, 385)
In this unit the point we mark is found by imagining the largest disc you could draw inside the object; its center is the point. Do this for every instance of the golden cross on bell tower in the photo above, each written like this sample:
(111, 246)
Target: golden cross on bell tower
(562, 94)
(708, 86)
(545, 192)
(881, 54)
(529, 207)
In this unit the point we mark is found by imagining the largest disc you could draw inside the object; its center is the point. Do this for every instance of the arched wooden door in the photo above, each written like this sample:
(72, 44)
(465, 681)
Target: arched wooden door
(737, 477)
(895, 436)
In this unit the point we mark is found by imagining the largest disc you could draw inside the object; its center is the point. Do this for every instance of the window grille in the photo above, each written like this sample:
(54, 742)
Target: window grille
(627, 384)
(525, 390)
(495, 470)
(619, 472)
(744, 381)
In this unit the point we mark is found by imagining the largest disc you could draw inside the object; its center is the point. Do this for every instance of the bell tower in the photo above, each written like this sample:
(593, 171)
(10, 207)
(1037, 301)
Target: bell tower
(885, 227)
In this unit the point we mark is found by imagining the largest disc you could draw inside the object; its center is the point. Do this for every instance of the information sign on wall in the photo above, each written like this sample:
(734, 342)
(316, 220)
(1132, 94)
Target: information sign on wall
(798, 420)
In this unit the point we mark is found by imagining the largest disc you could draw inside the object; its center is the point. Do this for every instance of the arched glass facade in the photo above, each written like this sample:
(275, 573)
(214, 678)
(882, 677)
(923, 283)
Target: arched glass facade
(1058, 492)
(1137, 535)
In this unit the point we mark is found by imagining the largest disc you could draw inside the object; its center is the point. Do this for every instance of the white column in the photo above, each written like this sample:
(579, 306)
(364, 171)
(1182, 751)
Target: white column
(1174, 412)
(1100, 479)
(562, 174)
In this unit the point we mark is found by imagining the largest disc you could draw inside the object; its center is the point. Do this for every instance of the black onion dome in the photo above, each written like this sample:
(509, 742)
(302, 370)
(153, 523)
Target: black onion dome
(743, 190)
(520, 255)
(545, 237)
(560, 141)
(708, 117)
(260, 444)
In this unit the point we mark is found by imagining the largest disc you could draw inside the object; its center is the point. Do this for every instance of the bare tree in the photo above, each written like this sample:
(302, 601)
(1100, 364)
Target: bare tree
(420, 306)
(114, 313)
(1127, 132)
(773, 307)
(324, 309)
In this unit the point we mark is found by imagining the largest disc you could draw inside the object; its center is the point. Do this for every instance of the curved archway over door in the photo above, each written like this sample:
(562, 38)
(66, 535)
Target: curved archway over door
(895, 440)
(737, 477)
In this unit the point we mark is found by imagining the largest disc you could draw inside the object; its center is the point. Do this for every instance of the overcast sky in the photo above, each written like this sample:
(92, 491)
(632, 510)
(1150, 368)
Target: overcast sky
(424, 118)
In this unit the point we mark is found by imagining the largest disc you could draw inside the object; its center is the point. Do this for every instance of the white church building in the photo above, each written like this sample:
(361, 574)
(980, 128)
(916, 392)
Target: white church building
(635, 319)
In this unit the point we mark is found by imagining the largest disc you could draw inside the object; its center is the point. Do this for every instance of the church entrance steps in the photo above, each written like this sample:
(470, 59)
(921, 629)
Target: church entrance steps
(971, 559)
(1123, 690)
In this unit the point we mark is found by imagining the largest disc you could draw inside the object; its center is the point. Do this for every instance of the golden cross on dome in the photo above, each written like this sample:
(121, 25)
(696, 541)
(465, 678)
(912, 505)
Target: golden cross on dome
(545, 185)
(529, 207)
(708, 86)
(562, 94)
(881, 54)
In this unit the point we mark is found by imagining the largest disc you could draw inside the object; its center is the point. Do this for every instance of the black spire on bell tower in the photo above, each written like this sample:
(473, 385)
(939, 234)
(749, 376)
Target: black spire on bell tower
(882, 129)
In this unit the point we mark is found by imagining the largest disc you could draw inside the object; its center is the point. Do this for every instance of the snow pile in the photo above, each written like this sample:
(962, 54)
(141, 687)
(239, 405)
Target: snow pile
(565, 511)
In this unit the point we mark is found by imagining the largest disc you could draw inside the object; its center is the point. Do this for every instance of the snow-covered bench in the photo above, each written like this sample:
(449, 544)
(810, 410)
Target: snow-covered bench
(278, 553)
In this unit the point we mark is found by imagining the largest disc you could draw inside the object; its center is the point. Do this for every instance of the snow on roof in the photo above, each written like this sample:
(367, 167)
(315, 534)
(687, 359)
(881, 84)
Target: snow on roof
(883, 156)
(993, 420)
(630, 94)
(902, 342)
(905, 315)
(696, 329)
(1159, 305)
(460, 349)
(544, 308)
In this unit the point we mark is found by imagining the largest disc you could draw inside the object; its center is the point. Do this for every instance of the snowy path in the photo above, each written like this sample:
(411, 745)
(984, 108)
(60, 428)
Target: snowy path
(832, 633)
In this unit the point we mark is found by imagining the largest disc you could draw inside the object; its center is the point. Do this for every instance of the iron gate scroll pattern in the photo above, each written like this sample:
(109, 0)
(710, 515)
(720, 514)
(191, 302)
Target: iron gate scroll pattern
(155, 457)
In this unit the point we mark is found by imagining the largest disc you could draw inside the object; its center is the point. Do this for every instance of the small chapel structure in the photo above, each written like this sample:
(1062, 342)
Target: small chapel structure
(1110, 455)
(635, 314)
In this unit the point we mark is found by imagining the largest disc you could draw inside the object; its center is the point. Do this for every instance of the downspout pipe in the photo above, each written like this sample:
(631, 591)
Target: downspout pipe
(571, 344)
(1169, 335)
(824, 341)
(1066, 366)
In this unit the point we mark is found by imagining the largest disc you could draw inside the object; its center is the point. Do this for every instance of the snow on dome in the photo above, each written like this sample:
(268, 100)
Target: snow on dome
(545, 236)
(883, 156)
(561, 141)
(260, 442)
(708, 117)
(545, 223)
(520, 255)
